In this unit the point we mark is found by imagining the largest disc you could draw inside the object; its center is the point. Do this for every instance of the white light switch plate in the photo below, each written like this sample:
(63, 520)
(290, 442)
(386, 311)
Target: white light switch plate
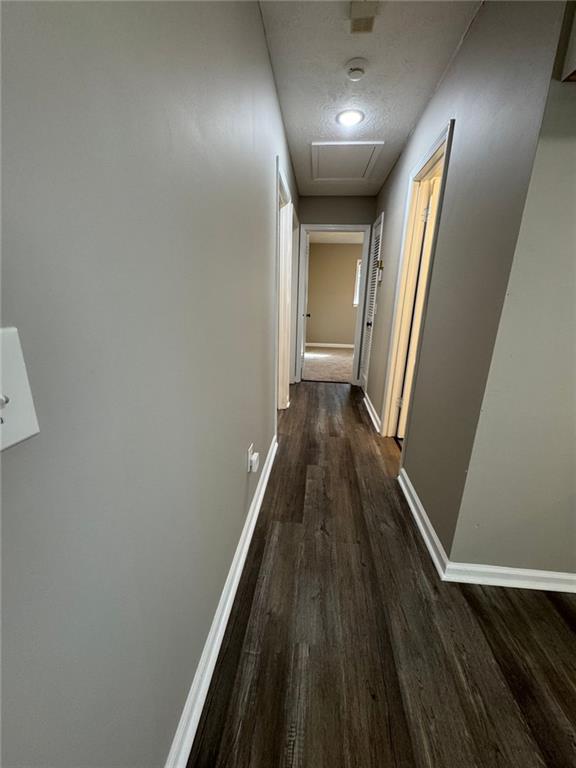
(18, 414)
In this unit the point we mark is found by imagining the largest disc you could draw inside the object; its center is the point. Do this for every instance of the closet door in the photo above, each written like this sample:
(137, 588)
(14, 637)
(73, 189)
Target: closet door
(370, 302)
(431, 212)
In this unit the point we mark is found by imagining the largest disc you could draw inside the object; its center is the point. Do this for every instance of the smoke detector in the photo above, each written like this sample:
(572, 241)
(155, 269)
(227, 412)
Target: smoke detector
(356, 69)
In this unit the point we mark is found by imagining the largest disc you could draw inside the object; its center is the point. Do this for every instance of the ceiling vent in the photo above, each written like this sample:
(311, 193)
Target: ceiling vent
(362, 14)
(344, 160)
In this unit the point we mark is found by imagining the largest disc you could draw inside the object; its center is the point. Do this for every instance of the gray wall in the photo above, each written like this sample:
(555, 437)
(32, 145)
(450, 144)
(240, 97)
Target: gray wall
(568, 65)
(139, 145)
(495, 90)
(337, 210)
(518, 507)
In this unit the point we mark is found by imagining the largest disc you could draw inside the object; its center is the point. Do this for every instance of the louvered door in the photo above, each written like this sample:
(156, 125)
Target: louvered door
(370, 303)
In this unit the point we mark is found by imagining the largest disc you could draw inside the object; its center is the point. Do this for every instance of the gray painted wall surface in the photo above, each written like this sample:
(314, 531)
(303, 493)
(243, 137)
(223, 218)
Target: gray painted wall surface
(496, 90)
(519, 503)
(139, 144)
(337, 210)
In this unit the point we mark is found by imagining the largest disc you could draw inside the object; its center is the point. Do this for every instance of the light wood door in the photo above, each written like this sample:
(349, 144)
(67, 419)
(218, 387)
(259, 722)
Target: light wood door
(419, 302)
(284, 304)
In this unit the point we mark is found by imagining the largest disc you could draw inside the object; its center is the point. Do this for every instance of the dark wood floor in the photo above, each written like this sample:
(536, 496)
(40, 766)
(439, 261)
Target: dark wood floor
(345, 650)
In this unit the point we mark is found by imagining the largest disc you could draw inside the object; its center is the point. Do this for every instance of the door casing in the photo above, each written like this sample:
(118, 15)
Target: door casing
(283, 289)
(400, 331)
(305, 230)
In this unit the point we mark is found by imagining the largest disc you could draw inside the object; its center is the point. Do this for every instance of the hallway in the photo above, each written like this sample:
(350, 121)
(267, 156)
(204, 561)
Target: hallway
(203, 203)
(344, 648)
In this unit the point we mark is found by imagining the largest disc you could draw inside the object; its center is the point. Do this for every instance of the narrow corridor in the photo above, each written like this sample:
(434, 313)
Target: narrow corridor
(345, 649)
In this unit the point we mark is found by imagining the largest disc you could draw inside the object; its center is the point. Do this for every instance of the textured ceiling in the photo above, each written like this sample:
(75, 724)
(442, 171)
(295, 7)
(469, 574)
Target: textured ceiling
(408, 52)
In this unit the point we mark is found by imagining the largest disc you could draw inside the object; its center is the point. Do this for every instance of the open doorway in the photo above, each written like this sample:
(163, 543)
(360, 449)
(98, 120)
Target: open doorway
(285, 238)
(423, 212)
(332, 288)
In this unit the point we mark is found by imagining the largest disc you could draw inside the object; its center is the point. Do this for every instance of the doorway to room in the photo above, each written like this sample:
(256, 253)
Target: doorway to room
(332, 286)
(423, 213)
(285, 242)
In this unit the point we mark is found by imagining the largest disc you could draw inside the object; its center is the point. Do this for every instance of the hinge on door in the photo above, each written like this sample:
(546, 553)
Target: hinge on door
(426, 214)
(399, 402)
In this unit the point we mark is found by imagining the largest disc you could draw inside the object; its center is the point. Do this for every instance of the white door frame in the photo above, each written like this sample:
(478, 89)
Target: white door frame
(399, 331)
(305, 229)
(294, 301)
(284, 211)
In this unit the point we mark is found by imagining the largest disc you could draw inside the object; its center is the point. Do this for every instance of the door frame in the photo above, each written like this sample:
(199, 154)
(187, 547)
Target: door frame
(294, 290)
(305, 229)
(401, 319)
(284, 211)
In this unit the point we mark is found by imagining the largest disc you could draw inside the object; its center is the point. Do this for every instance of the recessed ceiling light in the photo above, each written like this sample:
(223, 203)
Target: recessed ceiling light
(350, 117)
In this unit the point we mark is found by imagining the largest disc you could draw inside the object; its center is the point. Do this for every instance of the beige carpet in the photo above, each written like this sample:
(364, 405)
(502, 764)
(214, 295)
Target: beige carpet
(327, 364)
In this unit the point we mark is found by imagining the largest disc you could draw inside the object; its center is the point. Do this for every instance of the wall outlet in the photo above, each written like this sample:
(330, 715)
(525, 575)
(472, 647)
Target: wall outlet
(253, 459)
(17, 414)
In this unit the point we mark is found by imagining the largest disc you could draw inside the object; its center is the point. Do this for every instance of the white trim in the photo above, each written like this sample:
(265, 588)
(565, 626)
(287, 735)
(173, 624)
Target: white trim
(186, 730)
(472, 573)
(283, 197)
(372, 413)
(284, 303)
(337, 228)
(500, 576)
(303, 287)
(332, 346)
(294, 300)
(433, 543)
(301, 310)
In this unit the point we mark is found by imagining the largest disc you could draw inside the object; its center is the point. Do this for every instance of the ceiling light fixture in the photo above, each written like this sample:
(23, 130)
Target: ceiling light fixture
(350, 117)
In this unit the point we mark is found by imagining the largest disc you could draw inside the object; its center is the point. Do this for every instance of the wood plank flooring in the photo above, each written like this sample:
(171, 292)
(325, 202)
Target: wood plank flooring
(344, 648)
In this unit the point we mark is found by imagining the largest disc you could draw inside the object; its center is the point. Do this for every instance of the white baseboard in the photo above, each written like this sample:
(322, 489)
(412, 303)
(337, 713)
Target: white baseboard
(433, 543)
(184, 736)
(472, 573)
(373, 413)
(502, 576)
(333, 346)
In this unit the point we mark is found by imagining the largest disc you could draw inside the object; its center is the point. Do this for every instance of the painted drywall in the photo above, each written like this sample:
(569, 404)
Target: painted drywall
(519, 502)
(569, 64)
(139, 146)
(337, 210)
(331, 278)
(495, 90)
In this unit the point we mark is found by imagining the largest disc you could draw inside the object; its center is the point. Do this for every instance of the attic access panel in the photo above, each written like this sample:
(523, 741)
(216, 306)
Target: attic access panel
(344, 160)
